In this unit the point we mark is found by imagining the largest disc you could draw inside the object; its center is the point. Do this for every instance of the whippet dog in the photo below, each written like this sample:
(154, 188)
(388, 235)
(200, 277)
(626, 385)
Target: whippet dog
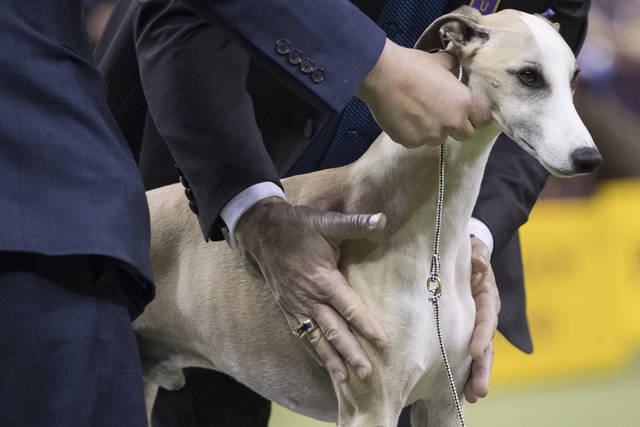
(214, 310)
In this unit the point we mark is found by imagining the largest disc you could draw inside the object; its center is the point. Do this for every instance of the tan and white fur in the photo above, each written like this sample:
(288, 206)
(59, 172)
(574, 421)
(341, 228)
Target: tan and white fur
(214, 310)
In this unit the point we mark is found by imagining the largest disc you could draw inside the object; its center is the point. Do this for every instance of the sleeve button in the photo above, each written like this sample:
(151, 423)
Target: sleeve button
(193, 207)
(307, 66)
(189, 193)
(295, 56)
(283, 46)
(317, 75)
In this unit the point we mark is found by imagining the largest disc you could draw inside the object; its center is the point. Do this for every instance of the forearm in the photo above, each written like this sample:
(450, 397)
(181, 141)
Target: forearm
(241, 203)
(194, 79)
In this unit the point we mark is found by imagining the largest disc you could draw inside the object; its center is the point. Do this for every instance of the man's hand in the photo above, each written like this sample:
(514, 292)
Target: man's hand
(487, 300)
(416, 99)
(297, 249)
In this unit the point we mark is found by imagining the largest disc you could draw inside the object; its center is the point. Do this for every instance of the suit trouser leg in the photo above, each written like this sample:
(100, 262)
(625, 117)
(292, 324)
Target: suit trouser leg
(210, 399)
(405, 417)
(66, 358)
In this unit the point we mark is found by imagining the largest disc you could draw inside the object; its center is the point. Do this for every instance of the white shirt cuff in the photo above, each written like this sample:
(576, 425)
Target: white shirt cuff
(233, 210)
(481, 231)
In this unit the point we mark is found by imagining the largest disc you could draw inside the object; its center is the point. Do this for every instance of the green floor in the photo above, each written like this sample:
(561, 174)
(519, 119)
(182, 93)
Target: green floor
(611, 400)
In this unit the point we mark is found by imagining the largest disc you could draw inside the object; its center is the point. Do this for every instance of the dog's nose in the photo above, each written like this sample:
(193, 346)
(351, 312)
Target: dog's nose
(586, 159)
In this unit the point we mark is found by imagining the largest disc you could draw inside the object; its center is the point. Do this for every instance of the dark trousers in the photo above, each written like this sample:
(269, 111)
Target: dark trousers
(210, 399)
(67, 357)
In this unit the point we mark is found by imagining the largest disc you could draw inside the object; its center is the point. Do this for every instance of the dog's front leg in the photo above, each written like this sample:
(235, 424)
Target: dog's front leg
(434, 413)
(373, 411)
(150, 393)
(373, 402)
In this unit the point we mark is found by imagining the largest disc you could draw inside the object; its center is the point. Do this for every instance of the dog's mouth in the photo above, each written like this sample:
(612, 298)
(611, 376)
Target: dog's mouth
(560, 173)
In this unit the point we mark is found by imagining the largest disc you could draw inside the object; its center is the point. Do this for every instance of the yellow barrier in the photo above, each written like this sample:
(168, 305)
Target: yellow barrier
(582, 273)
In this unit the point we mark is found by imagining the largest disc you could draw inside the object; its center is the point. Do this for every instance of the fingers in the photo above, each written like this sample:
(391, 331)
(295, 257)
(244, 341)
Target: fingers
(446, 59)
(485, 327)
(306, 283)
(434, 142)
(349, 305)
(479, 112)
(463, 132)
(476, 114)
(333, 339)
(418, 108)
(294, 322)
(485, 296)
(328, 354)
(478, 383)
(480, 256)
(468, 113)
(321, 350)
(338, 226)
(336, 331)
(487, 300)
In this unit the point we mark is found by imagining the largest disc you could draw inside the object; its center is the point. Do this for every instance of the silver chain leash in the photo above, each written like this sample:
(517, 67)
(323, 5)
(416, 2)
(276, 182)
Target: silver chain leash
(434, 285)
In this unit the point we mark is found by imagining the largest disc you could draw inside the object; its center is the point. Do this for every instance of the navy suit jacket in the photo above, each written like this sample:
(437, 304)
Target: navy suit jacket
(69, 185)
(207, 79)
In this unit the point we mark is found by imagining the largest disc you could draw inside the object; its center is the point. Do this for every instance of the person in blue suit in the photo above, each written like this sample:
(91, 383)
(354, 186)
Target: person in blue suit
(255, 100)
(74, 230)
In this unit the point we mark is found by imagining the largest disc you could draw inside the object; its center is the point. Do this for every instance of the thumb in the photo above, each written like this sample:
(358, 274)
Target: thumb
(338, 226)
(480, 112)
(480, 256)
(446, 59)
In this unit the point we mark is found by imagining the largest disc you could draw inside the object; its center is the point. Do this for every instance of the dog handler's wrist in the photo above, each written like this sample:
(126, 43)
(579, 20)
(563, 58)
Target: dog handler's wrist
(234, 210)
(371, 86)
(251, 226)
(479, 229)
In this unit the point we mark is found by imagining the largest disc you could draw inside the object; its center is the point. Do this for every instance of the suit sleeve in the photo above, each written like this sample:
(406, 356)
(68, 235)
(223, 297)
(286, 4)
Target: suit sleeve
(513, 179)
(336, 39)
(194, 66)
(194, 80)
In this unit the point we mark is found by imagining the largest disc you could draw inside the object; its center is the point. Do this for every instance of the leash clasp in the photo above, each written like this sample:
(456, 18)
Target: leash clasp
(434, 287)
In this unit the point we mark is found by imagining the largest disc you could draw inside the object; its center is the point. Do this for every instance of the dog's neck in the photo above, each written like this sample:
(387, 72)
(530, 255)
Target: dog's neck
(403, 183)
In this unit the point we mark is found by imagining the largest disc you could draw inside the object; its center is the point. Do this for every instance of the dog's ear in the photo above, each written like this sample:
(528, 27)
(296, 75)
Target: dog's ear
(554, 25)
(461, 28)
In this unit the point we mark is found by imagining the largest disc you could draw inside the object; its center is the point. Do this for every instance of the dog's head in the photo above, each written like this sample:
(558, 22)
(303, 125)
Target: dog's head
(520, 65)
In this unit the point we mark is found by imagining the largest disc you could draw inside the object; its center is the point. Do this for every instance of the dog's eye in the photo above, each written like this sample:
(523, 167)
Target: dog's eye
(531, 77)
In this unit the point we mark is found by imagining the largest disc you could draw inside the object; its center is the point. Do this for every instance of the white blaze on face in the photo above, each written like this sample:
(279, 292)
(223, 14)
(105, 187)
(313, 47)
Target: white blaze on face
(561, 131)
